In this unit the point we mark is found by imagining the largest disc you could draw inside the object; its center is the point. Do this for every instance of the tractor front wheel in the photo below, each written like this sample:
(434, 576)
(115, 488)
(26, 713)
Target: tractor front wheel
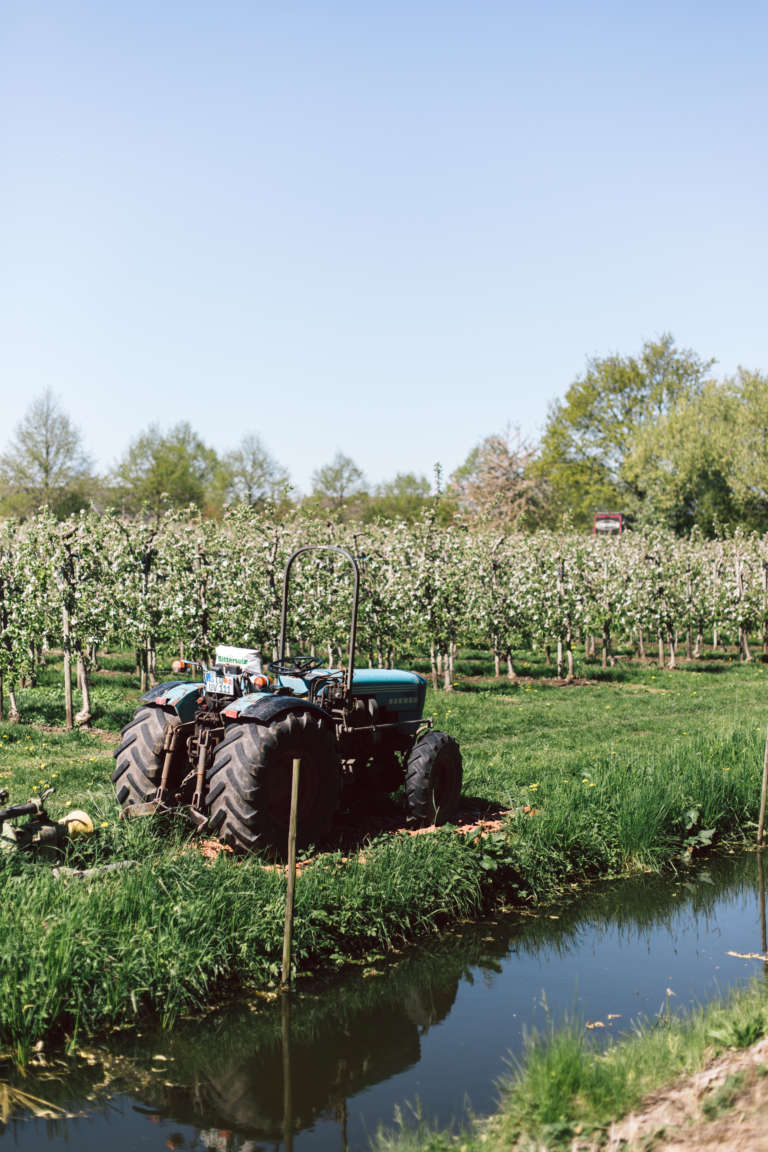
(249, 783)
(433, 778)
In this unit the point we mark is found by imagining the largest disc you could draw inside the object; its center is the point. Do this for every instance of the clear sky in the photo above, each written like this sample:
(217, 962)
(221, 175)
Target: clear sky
(389, 228)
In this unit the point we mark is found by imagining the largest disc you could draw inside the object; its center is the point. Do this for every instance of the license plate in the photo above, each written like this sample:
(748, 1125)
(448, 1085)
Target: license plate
(221, 685)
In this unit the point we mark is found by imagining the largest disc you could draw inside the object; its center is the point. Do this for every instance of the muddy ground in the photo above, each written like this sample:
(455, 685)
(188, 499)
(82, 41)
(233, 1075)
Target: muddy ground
(723, 1107)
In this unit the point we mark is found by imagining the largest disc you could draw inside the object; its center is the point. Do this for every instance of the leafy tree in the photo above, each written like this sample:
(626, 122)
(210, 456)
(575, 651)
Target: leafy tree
(682, 466)
(338, 487)
(749, 447)
(249, 475)
(402, 498)
(496, 482)
(705, 462)
(165, 470)
(45, 462)
(589, 435)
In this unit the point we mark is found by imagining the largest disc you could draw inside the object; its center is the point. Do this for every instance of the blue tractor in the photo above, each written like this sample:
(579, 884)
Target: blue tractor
(221, 749)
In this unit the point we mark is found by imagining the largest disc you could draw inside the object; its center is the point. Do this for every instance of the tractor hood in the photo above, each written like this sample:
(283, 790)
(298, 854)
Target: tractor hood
(399, 695)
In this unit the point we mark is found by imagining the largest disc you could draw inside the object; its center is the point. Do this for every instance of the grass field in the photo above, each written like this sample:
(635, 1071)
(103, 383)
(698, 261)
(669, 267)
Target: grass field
(631, 769)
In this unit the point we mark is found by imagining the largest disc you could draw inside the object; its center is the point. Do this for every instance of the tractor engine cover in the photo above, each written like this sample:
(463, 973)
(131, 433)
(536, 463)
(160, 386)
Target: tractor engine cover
(399, 696)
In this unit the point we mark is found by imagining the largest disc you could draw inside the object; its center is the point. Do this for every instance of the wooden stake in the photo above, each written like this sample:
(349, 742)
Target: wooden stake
(285, 978)
(761, 821)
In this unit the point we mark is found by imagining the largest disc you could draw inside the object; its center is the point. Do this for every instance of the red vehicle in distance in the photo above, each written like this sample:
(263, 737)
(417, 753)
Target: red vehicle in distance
(609, 524)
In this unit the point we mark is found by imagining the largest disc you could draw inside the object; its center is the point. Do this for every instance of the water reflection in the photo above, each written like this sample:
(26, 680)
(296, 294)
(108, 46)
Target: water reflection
(324, 1067)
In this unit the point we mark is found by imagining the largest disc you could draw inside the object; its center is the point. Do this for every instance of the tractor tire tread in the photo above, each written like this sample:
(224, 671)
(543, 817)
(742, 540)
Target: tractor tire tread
(248, 805)
(433, 778)
(138, 768)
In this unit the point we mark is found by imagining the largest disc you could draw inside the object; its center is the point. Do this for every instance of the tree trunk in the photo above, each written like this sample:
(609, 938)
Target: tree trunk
(641, 644)
(511, 674)
(2, 698)
(144, 684)
(671, 640)
(14, 716)
(744, 653)
(661, 650)
(606, 652)
(433, 665)
(559, 658)
(699, 642)
(688, 647)
(447, 680)
(68, 707)
(83, 718)
(591, 645)
(496, 663)
(547, 654)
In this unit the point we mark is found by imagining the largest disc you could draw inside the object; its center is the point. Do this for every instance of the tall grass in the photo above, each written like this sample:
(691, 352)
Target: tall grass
(174, 933)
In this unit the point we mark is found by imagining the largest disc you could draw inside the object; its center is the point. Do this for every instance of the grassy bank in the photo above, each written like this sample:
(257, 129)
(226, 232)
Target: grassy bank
(570, 1089)
(629, 771)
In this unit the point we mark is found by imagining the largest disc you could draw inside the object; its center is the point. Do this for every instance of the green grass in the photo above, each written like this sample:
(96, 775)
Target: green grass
(566, 1085)
(639, 769)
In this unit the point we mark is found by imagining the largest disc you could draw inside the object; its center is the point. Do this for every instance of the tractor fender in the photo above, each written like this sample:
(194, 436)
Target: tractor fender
(269, 708)
(176, 696)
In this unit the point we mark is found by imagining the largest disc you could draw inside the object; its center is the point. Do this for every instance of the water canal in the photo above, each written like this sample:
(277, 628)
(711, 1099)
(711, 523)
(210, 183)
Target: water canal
(437, 1024)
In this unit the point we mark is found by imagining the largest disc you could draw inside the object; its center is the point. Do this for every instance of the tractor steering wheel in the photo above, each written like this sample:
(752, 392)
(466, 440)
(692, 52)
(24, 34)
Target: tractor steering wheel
(298, 667)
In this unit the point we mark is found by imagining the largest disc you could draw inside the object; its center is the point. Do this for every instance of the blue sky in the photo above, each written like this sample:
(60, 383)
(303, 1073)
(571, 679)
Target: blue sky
(385, 228)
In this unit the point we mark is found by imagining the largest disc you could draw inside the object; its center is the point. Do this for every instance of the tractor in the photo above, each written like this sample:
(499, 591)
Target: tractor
(221, 750)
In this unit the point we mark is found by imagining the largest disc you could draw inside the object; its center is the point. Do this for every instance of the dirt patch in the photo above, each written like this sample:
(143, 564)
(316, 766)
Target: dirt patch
(467, 824)
(724, 1106)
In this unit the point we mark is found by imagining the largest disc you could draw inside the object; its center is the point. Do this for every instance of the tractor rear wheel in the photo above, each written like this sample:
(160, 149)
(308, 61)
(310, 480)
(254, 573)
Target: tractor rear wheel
(249, 783)
(433, 780)
(139, 757)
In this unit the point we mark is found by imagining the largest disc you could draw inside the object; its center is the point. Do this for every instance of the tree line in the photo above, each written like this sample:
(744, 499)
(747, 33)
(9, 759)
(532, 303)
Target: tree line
(654, 435)
(189, 582)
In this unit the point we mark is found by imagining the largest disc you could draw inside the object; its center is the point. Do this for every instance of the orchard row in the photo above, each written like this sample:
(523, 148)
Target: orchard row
(100, 580)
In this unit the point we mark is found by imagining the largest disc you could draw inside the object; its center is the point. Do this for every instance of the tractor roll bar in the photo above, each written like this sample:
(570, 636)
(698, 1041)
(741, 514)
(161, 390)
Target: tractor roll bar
(353, 629)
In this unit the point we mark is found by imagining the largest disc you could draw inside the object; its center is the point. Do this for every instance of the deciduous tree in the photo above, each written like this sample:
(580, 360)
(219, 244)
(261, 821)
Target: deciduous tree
(497, 482)
(250, 475)
(165, 470)
(590, 433)
(338, 486)
(45, 462)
